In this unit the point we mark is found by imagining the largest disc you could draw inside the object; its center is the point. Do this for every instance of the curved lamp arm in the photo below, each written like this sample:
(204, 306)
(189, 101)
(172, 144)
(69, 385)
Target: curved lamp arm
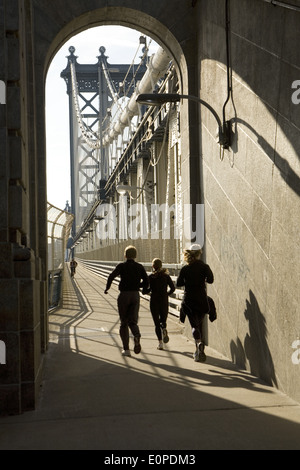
(123, 188)
(156, 99)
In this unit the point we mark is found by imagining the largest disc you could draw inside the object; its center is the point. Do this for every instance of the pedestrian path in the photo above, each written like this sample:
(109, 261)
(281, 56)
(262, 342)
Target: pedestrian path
(94, 398)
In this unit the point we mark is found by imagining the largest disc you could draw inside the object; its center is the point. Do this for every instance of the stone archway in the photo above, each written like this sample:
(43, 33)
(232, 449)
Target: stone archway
(34, 31)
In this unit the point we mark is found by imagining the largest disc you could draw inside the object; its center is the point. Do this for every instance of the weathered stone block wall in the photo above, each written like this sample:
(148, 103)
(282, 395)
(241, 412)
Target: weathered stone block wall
(21, 288)
(252, 190)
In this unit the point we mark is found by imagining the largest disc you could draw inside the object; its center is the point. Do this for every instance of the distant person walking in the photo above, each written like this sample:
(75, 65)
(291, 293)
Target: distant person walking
(132, 277)
(193, 277)
(159, 282)
(73, 265)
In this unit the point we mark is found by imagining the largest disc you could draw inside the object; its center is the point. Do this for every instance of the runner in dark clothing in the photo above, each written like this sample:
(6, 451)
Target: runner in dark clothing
(160, 281)
(73, 265)
(131, 274)
(194, 305)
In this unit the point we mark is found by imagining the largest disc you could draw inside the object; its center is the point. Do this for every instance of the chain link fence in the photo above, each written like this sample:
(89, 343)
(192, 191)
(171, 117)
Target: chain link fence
(59, 226)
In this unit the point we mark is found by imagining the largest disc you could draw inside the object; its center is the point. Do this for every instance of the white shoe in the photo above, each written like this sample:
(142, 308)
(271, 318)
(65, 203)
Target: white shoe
(126, 352)
(160, 345)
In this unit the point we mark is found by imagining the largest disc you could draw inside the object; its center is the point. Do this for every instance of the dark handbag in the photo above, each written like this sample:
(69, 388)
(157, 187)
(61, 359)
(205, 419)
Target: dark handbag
(212, 313)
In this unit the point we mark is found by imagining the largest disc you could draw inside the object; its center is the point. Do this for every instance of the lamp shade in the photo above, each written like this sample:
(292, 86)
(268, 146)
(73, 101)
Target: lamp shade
(154, 99)
(122, 189)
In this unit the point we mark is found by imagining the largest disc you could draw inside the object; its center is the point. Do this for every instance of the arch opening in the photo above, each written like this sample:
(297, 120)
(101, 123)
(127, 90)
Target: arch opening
(114, 56)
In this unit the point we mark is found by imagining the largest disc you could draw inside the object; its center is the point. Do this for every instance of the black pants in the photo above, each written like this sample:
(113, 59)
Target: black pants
(196, 321)
(128, 306)
(159, 311)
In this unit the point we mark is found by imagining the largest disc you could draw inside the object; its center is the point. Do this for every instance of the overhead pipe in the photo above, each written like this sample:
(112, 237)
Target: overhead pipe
(157, 67)
(228, 59)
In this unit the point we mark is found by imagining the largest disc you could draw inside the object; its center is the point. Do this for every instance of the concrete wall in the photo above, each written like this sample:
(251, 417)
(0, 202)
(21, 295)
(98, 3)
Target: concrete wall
(252, 190)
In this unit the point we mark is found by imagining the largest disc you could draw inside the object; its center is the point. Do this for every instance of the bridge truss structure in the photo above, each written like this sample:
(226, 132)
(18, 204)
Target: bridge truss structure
(98, 95)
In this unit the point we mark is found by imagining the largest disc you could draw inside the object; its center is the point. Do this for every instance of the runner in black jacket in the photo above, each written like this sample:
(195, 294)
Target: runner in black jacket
(194, 305)
(160, 281)
(133, 277)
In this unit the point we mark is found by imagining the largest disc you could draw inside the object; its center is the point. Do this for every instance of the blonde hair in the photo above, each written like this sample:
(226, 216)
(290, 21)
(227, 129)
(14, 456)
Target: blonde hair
(130, 252)
(190, 256)
(157, 266)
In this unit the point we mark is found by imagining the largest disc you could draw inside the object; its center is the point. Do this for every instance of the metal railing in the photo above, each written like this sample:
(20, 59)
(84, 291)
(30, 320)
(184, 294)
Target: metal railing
(104, 268)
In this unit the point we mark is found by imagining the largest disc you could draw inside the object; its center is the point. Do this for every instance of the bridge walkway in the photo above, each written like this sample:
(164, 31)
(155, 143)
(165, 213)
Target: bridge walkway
(94, 398)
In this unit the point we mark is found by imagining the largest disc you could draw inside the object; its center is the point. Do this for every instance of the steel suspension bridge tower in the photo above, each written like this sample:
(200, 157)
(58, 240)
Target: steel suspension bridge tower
(94, 90)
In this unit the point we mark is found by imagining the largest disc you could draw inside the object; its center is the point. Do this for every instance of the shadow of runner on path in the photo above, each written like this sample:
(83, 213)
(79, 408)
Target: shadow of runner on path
(93, 398)
(90, 403)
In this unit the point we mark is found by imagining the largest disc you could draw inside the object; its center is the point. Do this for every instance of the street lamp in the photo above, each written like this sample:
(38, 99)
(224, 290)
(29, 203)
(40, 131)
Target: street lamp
(156, 99)
(122, 189)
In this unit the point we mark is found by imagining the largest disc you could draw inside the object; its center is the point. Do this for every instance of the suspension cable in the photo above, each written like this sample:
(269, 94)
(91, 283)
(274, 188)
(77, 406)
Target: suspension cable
(86, 132)
(137, 69)
(114, 94)
(153, 163)
(131, 65)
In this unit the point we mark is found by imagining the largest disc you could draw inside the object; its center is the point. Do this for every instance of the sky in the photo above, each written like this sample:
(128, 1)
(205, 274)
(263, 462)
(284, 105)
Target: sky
(121, 45)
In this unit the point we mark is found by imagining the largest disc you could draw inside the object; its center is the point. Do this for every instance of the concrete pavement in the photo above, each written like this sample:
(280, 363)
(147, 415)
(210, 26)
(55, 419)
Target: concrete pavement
(94, 398)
